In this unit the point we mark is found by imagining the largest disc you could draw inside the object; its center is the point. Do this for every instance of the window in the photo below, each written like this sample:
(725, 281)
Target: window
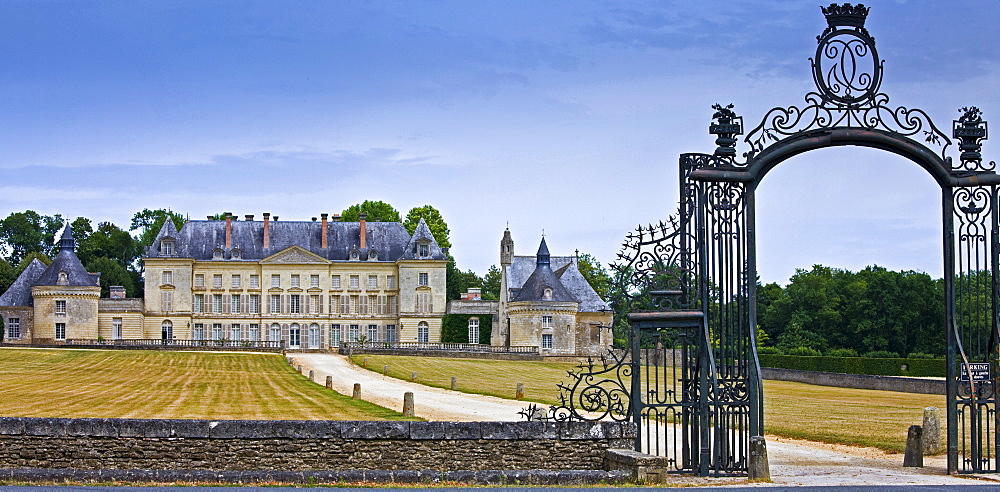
(422, 280)
(60, 331)
(60, 307)
(295, 280)
(315, 304)
(234, 303)
(275, 280)
(275, 332)
(345, 304)
(362, 304)
(393, 304)
(352, 333)
(168, 277)
(390, 333)
(373, 255)
(199, 303)
(372, 282)
(293, 304)
(217, 331)
(236, 253)
(275, 304)
(199, 280)
(314, 281)
(216, 303)
(255, 281)
(167, 330)
(473, 330)
(424, 304)
(546, 321)
(335, 282)
(199, 331)
(372, 333)
(254, 332)
(166, 301)
(13, 328)
(217, 281)
(423, 332)
(116, 328)
(355, 282)
(235, 332)
(546, 340)
(314, 336)
(381, 308)
(166, 248)
(423, 250)
(217, 254)
(254, 303)
(547, 294)
(334, 335)
(294, 335)
(390, 282)
(237, 281)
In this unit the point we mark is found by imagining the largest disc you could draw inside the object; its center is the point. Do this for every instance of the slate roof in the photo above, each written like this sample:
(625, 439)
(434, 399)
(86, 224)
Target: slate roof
(19, 293)
(568, 274)
(198, 239)
(67, 261)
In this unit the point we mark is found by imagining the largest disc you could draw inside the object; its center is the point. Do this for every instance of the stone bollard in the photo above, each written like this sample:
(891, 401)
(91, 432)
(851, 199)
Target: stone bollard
(300, 369)
(385, 370)
(759, 469)
(408, 404)
(454, 383)
(364, 362)
(291, 361)
(413, 376)
(329, 382)
(312, 375)
(914, 456)
(357, 391)
(932, 431)
(519, 393)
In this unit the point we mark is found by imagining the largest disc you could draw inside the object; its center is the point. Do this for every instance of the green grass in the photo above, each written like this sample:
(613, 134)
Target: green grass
(167, 385)
(871, 418)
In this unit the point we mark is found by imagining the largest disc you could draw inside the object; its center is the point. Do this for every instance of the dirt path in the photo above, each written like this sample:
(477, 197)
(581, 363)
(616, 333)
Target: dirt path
(792, 462)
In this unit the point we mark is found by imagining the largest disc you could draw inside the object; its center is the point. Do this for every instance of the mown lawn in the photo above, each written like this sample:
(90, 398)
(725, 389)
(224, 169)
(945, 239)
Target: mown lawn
(818, 413)
(167, 385)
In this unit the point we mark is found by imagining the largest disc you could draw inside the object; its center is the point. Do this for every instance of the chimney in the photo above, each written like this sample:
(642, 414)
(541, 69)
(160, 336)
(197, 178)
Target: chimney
(116, 292)
(322, 238)
(267, 236)
(336, 217)
(211, 217)
(275, 218)
(249, 218)
(229, 230)
(364, 229)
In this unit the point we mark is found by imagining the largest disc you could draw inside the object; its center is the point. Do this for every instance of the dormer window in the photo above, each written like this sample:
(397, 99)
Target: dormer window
(236, 253)
(167, 247)
(373, 255)
(547, 294)
(63, 279)
(355, 255)
(423, 249)
(217, 254)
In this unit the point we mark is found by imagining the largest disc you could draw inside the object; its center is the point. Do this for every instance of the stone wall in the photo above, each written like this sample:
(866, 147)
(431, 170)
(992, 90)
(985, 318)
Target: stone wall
(243, 445)
(857, 381)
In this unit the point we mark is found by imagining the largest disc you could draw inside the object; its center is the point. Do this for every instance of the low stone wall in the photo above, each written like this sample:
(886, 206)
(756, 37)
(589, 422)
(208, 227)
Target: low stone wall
(245, 448)
(453, 354)
(857, 381)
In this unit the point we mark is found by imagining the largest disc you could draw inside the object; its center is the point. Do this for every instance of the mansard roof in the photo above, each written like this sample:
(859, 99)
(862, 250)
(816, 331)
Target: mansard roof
(67, 262)
(199, 239)
(19, 293)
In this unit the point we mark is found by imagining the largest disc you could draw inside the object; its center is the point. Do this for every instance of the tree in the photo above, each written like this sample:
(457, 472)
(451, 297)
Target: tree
(8, 274)
(42, 257)
(112, 273)
(595, 274)
(149, 222)
(28, 232)
(81, 229)
(375, 210)
(491, 284)
(109, 241)
(458, 282)
(437, 225)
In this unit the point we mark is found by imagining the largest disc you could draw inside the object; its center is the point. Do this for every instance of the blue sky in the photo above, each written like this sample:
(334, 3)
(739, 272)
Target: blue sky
(566, 116)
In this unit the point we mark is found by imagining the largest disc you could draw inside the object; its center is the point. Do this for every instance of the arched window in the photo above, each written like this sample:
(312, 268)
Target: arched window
(294, 334)
(423, 332)
(373, 255)
(167, 330)
(547, 294)
(274, 333)
(217, 254)
(63, 279)
(314, 336)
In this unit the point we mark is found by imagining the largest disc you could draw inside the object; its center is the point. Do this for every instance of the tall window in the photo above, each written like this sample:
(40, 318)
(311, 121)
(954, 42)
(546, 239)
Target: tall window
(334, 335)
(254, 303)
(372, 282)
(13, 327)
(255, 281)
(237, 281)
(235, 331)
(315, 304)
(355, 282)
(295, 280)
(473, 330)
(424, 304)
(390, 333)
(546, 340)
(234, 303)
(199, 280)
(166, 248)
(362, 304)
(422, 280)
(345, 304)
(167, 330)
(294, 334)
(60, 331)
(275, 304)
(423, 249)
(275, 332)
(314, 281)
(390, 282)
(372, 333)
(116, 328)
(199, 303)
(216, 303)
(217, 331)
(166, 301)
(546, 321)
(168, 277)
(275, 280)
(217, 281)
(199, 331)
(423, 332)
(353, 333)
(253, 333)
(381, 306)
(60, 307)
(314, 336)
(335, 282)
(293, 304)
(393, 304)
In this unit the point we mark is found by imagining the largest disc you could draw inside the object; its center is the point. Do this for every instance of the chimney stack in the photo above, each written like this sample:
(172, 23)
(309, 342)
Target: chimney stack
(267, 235)
(364, 232)
(249, 218)
(229, 230)
(323, 228)
(116, 292)
(336, 217)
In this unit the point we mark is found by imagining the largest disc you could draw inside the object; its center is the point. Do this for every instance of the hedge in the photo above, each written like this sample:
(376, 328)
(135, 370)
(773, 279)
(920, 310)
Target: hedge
(857, 365)
(455, 328)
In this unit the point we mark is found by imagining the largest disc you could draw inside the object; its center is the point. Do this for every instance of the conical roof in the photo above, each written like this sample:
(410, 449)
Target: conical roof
(67, 262)
(543, 279)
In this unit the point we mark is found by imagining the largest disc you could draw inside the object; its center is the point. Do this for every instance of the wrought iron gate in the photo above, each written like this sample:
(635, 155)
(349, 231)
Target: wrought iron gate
(689, 376)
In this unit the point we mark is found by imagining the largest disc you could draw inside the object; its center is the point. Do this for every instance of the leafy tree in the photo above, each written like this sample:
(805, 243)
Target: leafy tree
(8, 274)
(375, 209)
(437, 225)
(149, 222)
(595, 274)
(28, 232)
(81, 229)
(457, 282)
(112, 273)
(491, 284)
(109, 241)
(42, 257)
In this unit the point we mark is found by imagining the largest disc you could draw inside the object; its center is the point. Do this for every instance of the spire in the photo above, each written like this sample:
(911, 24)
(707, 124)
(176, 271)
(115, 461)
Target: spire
(542, 255)
(506, 248)
(66, 241)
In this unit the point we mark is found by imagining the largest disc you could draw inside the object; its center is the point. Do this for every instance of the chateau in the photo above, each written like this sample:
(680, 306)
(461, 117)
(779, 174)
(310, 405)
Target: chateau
(310, 284)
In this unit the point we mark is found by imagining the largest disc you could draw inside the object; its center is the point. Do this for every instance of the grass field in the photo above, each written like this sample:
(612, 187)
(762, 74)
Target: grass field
(818, 413)
(168, 385)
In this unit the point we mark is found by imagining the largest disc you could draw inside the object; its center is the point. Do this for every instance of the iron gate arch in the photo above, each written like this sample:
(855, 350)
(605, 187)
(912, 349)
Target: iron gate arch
(699, 401)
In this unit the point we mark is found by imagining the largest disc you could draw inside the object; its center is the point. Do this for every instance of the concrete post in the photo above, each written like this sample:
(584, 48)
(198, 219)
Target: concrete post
(364, 362)
(519, 393)
(312, 375)
(758, 468)
(408, 404)
(932, 431)
(385, 370)
(454, 383)
(300, 369)
(413, 376)
(357, 391)
(914, 447)
(329, 382)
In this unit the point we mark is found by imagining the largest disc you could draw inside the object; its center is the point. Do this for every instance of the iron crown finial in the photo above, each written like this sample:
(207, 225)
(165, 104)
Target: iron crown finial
(846, 15)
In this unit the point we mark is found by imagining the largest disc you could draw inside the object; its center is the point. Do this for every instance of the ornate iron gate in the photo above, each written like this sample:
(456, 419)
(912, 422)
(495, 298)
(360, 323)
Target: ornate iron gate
(690, 378)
